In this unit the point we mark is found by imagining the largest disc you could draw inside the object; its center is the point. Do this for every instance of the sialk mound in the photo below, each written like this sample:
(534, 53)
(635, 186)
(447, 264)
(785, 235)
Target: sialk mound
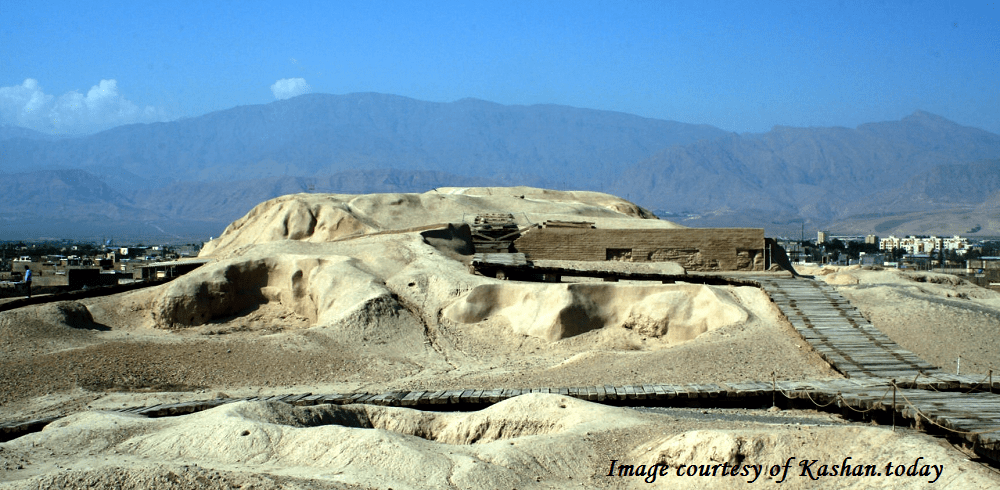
(339, 293)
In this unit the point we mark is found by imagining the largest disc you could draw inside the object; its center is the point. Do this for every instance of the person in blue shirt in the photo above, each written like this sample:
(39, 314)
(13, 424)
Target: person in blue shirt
(27, 280)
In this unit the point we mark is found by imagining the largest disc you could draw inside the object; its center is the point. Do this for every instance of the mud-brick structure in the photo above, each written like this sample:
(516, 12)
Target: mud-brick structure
(696, 249)
(494, 233)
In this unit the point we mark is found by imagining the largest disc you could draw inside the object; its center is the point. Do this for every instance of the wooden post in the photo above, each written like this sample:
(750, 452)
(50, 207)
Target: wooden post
(774, 385)
(894, 405)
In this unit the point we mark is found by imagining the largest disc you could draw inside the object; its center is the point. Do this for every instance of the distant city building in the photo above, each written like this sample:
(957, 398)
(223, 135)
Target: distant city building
(871, 240)
(845, 238)
(793, 249)
(820, 237)
(925, 245)
(956, 243)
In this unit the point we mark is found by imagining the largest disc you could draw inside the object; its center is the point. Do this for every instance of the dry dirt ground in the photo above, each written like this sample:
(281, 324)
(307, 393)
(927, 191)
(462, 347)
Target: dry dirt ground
(333, 293)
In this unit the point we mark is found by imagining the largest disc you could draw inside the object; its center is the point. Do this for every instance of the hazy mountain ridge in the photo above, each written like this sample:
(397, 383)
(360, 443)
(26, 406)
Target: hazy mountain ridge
(970, 183)
(224, 202)
(819, 173)
(320, 134)
(37, 194)
(77, 203)
(9, 132)
(211, 169)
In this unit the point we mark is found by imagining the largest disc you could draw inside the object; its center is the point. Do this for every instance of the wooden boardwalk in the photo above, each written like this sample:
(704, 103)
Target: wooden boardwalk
(973, 417)
(838, 332)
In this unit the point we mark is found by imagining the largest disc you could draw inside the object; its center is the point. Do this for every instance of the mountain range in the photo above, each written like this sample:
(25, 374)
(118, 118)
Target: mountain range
(191, 177)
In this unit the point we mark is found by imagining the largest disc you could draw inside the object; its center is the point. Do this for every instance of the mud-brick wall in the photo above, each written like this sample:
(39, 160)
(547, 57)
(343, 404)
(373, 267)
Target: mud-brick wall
(697, 249)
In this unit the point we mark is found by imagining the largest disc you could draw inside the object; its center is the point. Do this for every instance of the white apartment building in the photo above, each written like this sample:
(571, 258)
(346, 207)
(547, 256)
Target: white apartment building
(924, 245)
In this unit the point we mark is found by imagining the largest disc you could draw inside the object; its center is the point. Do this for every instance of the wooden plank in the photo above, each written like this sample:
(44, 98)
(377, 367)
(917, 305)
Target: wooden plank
(477, 397)
(311, 399)
(425, 398)
(682, 391)
(668, 391)
(743, 390)
(438, 398)
(338, 398)
(619, 392)
(662, 392)
(394, 398)
(640, 392)
(150, 410)
(380, 399)
(295, 398)
(694, 391)
(610, 392)
(713, 390)
(411, 398)
(650, 391)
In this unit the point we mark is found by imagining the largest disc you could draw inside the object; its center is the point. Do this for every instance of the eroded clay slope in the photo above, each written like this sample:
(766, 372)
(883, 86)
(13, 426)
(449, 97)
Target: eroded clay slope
(327, 217)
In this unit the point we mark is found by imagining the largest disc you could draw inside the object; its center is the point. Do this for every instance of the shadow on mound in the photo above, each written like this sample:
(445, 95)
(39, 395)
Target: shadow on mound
(522, 416)
(76, 315)
(779, 257)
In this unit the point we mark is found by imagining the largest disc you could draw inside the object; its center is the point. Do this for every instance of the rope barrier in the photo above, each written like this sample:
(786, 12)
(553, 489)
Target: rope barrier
(838, 397)
(877, 405)
(920, 413)
(831, 402)
(988, 379)
(788, 395)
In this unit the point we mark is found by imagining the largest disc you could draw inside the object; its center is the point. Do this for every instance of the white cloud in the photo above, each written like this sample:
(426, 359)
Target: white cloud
(27, 105)
(290, 87)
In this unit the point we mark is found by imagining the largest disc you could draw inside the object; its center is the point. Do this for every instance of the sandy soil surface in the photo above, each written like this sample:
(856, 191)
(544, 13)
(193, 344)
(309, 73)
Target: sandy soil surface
(332, 293)
(532, 441)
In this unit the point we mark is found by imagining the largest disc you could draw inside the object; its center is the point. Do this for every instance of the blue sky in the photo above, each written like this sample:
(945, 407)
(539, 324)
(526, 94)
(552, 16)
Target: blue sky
(75, 67)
